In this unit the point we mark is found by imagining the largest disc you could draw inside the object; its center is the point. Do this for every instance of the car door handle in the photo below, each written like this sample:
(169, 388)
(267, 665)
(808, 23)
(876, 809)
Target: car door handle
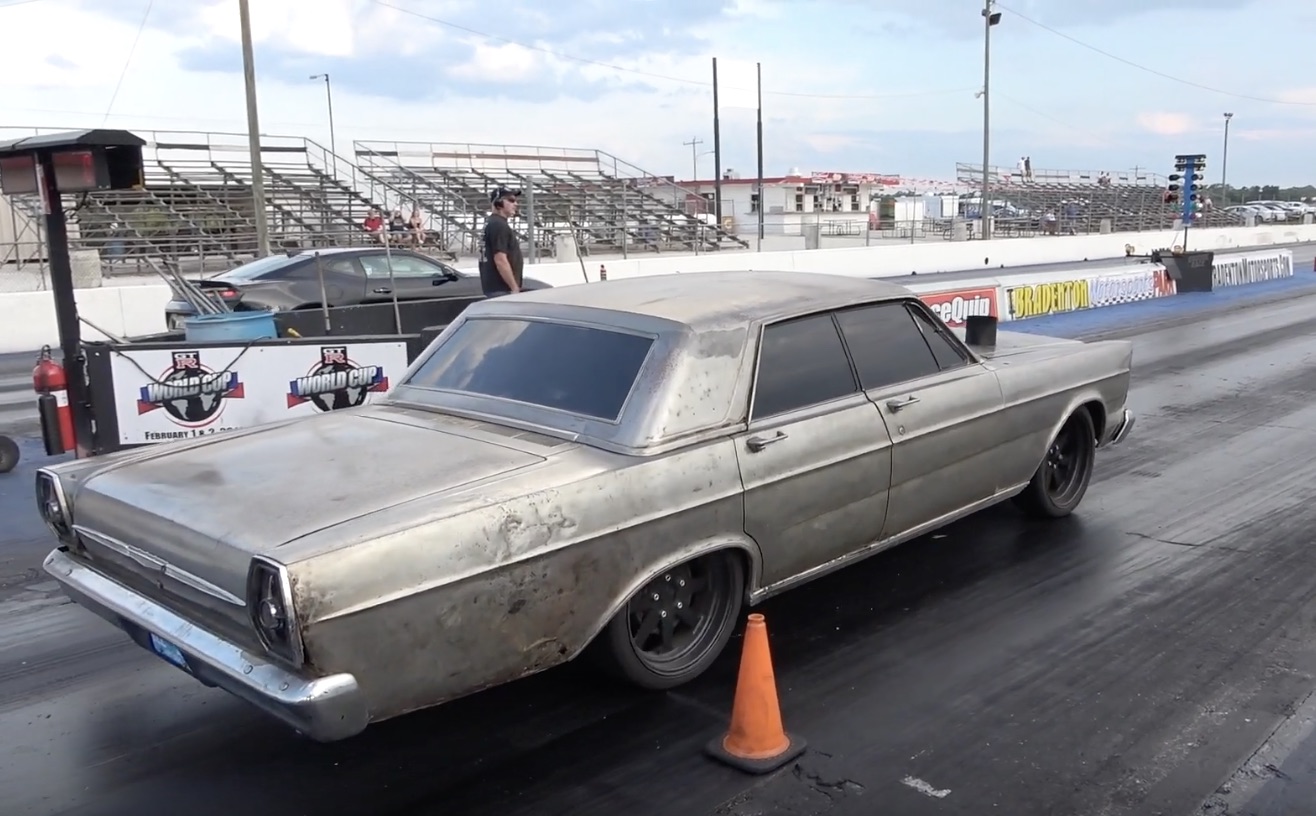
(383, 290)
(758, 443)
(896, 405)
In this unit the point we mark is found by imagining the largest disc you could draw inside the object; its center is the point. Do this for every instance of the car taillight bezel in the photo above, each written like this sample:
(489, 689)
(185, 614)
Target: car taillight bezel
(53, 505)
(271, 611)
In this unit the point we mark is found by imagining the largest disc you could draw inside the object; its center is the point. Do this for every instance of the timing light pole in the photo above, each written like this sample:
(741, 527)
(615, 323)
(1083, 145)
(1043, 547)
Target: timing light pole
(990, 18)
(253, 135)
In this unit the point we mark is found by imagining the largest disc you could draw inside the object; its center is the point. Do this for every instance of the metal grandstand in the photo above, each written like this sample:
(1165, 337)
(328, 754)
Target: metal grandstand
(1080, 200)
(195, 209)
(606, 203)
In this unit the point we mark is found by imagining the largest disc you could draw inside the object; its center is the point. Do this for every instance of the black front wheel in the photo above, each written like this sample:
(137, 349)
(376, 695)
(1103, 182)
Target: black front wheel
(675, 626)
(1065, 473)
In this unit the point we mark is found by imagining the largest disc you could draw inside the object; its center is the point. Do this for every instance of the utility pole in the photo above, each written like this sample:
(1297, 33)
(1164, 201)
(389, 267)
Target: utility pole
(253, 135)
(694, 144)
(990, 19)
(1224, 166)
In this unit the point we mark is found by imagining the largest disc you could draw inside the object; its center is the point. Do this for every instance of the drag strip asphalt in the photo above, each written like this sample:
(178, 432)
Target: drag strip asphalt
(1127, 660)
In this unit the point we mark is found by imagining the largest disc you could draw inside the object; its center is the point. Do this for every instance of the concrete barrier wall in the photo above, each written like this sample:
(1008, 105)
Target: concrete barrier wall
(27, 319)
(929, 258)
(1040, 294)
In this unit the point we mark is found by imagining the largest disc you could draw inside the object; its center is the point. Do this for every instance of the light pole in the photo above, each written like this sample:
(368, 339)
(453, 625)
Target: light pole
(989, 18)
(253, 135)
(1224, 166)
(694, 144)
(329, 95)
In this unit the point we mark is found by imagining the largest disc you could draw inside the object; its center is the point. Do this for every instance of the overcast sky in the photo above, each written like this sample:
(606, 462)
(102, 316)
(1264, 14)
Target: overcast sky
(884, 86)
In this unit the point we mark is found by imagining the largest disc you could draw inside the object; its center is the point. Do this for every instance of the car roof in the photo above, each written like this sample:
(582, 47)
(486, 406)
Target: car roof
(709, 300)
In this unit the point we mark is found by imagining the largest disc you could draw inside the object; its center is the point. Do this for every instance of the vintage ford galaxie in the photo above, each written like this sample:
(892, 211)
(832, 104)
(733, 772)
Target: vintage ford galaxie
(613, 469)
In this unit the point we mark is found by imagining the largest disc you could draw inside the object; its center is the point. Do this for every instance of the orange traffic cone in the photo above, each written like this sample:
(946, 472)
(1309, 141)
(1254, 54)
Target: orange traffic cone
(756, 741)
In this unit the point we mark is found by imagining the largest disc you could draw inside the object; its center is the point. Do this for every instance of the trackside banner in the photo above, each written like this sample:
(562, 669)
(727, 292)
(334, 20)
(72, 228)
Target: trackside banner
(1020, 301)
(1253, 267)
(955, 306)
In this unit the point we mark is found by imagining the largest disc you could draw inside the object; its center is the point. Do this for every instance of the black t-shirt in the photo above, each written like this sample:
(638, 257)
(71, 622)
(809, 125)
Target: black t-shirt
(499, 237)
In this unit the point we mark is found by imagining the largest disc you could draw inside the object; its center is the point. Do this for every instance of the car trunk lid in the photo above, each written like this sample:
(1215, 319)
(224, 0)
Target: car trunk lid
(189, 517)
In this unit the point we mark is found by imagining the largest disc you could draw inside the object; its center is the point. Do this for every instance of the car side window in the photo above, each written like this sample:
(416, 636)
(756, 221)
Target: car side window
(334, 266)
(948, 354)
(404, 266)
(887, 345)
(802, 362)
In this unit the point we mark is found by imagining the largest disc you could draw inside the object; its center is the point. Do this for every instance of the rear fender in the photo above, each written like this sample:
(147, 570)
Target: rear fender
(739, 544)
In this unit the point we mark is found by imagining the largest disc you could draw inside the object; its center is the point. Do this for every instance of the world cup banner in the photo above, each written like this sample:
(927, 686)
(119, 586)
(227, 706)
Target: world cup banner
(957, 306)
(168, 394)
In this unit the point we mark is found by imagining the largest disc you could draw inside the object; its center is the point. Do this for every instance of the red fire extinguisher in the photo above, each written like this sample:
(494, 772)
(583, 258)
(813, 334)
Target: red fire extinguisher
(51, 385)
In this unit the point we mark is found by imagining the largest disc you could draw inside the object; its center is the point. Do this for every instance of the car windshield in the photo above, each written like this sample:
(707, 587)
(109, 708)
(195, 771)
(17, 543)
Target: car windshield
(583, 370)
(261, 266)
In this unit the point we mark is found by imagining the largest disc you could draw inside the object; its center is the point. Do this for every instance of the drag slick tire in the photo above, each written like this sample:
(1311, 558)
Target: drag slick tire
(1065, 473)
(675, 626)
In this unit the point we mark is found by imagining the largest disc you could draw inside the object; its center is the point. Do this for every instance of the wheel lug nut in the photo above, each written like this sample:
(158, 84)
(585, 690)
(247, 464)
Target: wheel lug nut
(663, 614)
(656, 596)
(680, 605)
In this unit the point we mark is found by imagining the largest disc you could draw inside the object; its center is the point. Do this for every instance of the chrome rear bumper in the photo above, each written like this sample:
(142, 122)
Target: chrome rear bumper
(1121, 431)
(326, 709)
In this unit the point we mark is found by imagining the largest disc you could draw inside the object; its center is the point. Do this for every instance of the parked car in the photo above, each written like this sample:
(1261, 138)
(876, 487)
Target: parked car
(352, 276)
(612, 469)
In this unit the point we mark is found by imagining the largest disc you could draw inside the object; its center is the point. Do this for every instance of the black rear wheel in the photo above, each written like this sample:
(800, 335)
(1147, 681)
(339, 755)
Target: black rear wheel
(677, 625)
(1062, 479)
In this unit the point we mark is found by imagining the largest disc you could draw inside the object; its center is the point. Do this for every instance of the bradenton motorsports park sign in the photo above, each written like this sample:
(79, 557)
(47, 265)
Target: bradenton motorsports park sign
(162, 395)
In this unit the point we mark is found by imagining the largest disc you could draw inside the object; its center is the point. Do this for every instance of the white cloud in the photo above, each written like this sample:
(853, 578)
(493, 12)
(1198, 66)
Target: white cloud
(1166, 123)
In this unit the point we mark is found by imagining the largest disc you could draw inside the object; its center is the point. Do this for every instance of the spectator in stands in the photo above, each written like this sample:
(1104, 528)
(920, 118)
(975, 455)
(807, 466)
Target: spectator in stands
(374, 224)
(397, 225)
(1022, 167)
(1028, 168)
(500, 252)
(417, 225)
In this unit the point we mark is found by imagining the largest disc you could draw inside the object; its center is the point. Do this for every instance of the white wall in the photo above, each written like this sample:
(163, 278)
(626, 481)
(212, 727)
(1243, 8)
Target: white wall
(27, 319)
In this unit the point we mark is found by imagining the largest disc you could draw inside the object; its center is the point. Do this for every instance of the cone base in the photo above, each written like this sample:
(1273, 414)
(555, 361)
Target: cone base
(718, 751)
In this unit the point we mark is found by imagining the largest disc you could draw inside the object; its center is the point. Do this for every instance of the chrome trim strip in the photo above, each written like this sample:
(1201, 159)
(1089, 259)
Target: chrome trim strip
(326, 709)
(159, 565)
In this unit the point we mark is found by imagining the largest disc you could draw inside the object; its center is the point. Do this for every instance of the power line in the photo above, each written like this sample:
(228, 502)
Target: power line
(1153, 71)
(128, 62)
(651, 75)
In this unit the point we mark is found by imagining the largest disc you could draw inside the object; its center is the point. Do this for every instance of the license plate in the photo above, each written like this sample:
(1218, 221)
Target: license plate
(168, 651)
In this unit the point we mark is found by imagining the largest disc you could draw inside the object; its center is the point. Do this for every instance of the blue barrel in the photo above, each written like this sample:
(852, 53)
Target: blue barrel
(230, 327)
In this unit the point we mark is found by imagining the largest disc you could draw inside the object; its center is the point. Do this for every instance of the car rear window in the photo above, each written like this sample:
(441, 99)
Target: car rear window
(582, 370)
(256, 268)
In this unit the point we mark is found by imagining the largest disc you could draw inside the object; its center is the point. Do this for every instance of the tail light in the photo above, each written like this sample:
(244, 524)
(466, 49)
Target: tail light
(270, 606)
(53, 505)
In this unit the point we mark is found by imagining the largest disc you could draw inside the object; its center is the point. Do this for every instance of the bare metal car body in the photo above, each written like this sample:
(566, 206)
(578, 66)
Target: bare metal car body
(350, 567)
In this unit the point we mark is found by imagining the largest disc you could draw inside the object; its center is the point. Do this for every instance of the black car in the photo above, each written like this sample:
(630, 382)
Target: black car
(352, 276)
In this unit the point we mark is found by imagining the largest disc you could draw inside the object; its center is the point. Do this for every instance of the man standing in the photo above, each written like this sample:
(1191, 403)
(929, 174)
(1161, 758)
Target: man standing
(500, 255)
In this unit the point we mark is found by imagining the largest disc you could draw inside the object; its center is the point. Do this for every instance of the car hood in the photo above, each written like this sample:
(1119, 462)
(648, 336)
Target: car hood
(256, 490)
